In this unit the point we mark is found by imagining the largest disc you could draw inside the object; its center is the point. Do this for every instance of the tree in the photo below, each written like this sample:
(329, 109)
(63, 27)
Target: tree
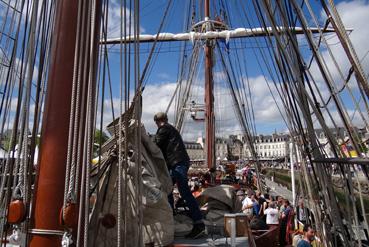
(99, 139)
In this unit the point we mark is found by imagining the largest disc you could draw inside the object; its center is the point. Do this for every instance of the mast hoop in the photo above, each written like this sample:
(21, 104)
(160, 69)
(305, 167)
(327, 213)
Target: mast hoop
(46, 232)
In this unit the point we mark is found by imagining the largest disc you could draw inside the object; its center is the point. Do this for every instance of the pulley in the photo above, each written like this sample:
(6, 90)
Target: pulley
(69, 215)
(16, 211)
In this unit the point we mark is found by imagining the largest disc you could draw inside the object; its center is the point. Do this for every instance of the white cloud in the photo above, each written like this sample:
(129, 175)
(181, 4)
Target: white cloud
(6, 8)
(157, 97)
(354, 116)
(164, 76)
(358, 37)
(265, 107)
(355, 15)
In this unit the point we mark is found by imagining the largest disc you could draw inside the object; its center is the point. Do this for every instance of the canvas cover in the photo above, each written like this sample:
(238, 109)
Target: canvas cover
(220, 200)
(157, 216)
(222, 193)
(182, 225)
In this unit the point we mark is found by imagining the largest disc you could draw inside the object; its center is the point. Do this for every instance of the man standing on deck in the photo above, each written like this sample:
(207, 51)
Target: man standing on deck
(171, 145)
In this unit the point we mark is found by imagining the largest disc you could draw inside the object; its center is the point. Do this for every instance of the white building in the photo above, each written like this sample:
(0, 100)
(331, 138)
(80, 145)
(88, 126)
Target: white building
(221, 149)
(195, 151)
(235, 147)
(269, 147)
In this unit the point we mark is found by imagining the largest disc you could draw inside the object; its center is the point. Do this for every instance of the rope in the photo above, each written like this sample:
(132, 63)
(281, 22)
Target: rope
(73, 124)
(84, 15)
(144, 71)
(24, 40)
(120, 158)
(346, 42)
(335, 62)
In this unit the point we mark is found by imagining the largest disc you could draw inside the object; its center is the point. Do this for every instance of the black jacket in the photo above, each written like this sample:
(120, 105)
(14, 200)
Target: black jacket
(171, 144)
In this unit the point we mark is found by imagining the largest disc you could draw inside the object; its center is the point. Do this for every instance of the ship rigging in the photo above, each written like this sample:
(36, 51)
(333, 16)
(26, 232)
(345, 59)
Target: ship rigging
(57, 87)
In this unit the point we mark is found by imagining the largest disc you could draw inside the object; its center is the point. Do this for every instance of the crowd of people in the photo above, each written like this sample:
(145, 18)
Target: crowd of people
(262, 210)
(265, 210)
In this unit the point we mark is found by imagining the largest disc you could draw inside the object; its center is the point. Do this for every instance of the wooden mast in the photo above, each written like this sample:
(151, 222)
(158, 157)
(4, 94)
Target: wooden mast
(209, 97)
(49, 188)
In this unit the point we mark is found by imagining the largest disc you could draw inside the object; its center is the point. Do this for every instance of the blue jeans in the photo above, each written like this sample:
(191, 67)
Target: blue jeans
(179, 176)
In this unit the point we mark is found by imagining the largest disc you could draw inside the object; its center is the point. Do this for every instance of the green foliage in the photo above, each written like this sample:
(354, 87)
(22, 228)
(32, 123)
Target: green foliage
(341, 197)
(99, 139)
(6, 144)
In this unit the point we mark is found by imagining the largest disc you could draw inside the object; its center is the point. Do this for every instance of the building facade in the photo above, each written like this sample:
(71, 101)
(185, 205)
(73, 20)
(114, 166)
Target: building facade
(195, 151)
(269, 147)
(235, 147)
(341, 136)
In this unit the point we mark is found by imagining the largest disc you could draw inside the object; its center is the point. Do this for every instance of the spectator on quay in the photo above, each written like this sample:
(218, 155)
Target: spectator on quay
(280, 204)
(267, 200)
(283, 223)
(309, 236)
(196, 190)
(249, 177)
(244, 174)
(302, 213)
(176, 195)
(272, 214)
(255, 205)
(247, 205)
(240, 194)
(261, 201)
(206, 177)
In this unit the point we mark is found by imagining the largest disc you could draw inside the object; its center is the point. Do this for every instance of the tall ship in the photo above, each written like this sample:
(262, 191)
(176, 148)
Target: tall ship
(80, 82)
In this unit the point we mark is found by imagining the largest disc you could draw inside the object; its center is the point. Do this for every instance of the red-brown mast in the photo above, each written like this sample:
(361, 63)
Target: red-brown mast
(209, 97)
(49, 190)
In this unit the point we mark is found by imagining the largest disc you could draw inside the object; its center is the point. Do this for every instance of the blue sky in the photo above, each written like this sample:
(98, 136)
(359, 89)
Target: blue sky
(161, 80)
